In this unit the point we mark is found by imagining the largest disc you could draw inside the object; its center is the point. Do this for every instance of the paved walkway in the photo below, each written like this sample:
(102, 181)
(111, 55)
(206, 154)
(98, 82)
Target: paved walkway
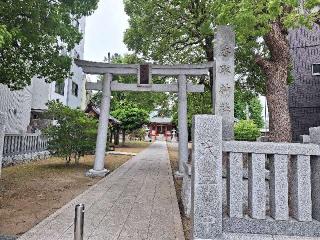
(136, 202)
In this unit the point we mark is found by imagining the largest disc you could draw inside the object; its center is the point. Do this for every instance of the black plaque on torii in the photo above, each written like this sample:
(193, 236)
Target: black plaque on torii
(145, 74)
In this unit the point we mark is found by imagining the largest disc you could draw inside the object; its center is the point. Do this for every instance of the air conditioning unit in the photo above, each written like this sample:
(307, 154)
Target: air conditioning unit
(316, 69)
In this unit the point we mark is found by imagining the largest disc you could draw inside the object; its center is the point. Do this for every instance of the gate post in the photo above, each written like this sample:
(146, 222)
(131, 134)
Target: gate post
(223, 85)
(315, 174)
(182, 122)
(3, 120)
(206, 182)
(98, 169)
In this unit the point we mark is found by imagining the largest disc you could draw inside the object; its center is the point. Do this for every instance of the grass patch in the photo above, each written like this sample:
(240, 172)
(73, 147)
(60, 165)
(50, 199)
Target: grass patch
(31, 192)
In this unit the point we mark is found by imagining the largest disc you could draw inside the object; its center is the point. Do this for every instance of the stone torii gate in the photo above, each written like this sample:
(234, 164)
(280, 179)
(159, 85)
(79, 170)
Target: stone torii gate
(223, 91)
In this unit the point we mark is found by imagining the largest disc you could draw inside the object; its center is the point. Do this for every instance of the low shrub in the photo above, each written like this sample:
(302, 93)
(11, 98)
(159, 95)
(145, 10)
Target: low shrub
(72, 135)
(246, 130)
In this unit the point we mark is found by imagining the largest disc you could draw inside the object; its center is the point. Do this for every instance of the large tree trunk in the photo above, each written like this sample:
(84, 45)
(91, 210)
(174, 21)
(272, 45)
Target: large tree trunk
(276, 70)
(116, 137)
(277, 98)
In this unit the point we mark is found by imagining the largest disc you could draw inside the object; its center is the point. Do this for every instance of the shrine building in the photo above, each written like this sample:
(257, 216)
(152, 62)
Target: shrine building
(161, 128)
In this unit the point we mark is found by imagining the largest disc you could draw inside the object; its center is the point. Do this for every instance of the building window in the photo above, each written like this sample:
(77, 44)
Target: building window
(77, 23)
(76, 55)
(316, 69)
(75, 89)
(59, 88)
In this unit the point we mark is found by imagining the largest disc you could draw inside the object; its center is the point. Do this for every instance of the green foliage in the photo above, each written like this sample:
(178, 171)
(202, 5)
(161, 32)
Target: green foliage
(131, 117)
(151, 34)
(248, 105)
(246, 130)
(35, 37)
(253, 19)
(73, 133)
(191, 41)
(255, 111)
(137, 134)
(198, 103)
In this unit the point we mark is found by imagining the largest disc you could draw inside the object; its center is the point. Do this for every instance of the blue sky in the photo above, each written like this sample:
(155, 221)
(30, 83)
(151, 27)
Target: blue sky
(105, 29)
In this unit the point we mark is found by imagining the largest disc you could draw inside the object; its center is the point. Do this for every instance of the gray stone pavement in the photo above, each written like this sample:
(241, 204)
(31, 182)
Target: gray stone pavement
(137, 201)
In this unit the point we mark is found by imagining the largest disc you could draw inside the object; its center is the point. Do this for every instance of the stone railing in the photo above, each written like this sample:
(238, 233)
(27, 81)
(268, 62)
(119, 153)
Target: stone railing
(280, 193)
(18, 144)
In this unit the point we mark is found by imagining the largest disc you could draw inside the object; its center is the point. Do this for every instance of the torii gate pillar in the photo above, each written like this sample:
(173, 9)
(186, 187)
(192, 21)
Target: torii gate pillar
(182, 123)
(98, 168)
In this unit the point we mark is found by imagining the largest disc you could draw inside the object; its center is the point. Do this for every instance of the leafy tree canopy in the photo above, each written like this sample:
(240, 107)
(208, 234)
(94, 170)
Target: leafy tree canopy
(35, 37)
(262, 55)
(262, 35)
(73, 133)
(191, 40)
(248, 106)
(131, 116)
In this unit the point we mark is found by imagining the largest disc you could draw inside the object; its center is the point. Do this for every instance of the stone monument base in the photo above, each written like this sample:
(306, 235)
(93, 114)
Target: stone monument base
(178, 175)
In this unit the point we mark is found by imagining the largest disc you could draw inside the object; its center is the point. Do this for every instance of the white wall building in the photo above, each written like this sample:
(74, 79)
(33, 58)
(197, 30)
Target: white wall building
(24, 105)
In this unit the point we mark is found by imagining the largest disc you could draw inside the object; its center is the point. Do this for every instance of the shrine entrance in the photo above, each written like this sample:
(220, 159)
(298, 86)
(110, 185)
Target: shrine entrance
(223, 91)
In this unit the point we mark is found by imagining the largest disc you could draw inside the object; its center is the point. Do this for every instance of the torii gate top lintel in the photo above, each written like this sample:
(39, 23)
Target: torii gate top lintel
(144, 73)
(89, 67)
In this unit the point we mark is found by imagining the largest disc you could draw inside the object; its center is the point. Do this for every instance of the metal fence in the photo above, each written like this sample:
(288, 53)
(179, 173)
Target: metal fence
(17, 144)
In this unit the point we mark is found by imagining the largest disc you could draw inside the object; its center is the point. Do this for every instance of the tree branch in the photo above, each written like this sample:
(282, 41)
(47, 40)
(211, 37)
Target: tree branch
(185, 44)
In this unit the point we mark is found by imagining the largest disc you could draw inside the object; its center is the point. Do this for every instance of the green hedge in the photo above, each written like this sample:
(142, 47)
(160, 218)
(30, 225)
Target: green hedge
(246, 130)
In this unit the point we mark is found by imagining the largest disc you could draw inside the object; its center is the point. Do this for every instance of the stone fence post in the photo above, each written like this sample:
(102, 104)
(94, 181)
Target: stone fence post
(206, 181)
(315, 174)
(3, 120)
(224, 79)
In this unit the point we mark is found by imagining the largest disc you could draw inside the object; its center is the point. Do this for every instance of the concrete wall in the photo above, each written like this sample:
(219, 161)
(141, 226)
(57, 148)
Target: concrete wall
(304, 93)
(40, 93)
(78, 76)
(43, 92)
(17, 106)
